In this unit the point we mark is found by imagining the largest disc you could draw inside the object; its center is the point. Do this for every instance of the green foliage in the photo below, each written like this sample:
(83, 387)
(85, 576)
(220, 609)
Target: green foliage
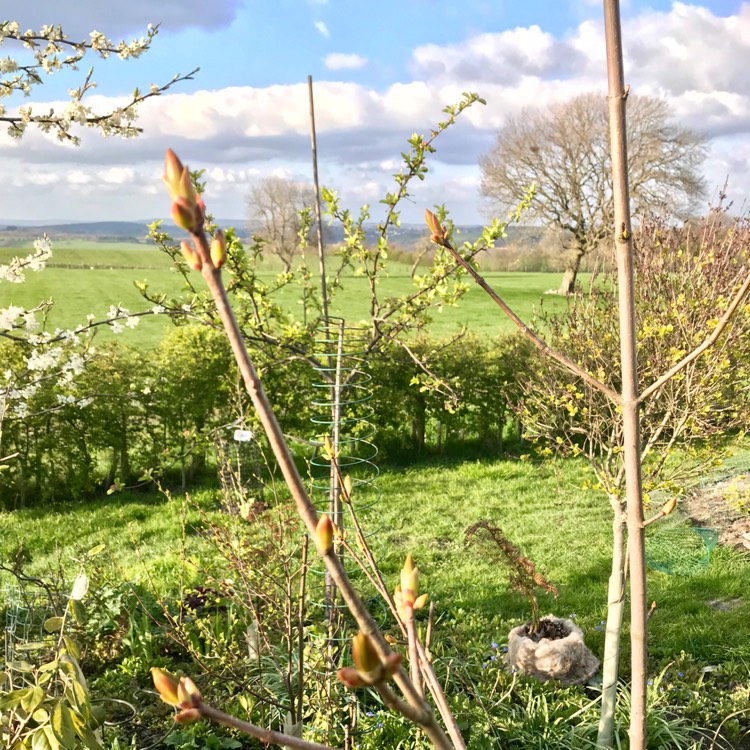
(85, 280)
(132, 415)
(199, 737)
(52, 708)
(443, 392)
(685, 280)
(543, 509)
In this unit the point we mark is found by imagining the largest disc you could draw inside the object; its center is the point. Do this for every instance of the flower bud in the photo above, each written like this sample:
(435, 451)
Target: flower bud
(218, 249)
(200, 209)
(191, 256)
(324, 534)
(420, 601)
(409, 580)
(350, 677)
(398, 600)
(438, 232)
(173, 170)
(348, 488)
(166, 685)
(366, 659)
(185, 187)
(188, 695)
(184, 215)
(188, 716)
(329, 454)
(669, 506)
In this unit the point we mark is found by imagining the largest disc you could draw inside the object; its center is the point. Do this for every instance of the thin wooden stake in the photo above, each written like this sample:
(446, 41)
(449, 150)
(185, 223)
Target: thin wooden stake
(318, 212)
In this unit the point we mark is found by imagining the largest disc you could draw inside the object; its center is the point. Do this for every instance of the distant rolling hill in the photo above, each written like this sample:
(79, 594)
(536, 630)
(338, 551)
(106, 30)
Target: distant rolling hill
(13, 234)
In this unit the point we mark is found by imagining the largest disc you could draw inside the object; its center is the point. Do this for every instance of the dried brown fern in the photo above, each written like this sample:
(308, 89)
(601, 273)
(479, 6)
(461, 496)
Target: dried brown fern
(524, 577)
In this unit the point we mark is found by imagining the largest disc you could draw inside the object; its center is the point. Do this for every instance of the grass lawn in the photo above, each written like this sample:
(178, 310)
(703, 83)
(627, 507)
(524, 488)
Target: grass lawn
(424, 510)
(88, 279)
(701, 651)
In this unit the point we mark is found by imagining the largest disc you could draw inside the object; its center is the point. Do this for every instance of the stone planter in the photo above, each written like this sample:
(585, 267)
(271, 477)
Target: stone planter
(555, 652)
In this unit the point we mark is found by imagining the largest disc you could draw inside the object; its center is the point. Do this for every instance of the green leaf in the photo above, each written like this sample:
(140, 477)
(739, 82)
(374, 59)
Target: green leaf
(94, 551)
(31, 646)
(89, 739)
(33, 698)
(80, 698)
(21, 666)
(80, 587)
(79, 611)
(69, 666)
(12, 699)
(44, 739)
(53, 624)
(62, 725)
(72, 647)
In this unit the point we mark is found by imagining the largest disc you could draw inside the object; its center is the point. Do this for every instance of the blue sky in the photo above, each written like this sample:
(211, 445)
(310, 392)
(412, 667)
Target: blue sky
(382, 70)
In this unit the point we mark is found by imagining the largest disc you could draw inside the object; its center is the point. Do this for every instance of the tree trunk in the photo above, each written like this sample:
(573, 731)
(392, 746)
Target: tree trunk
(611, 658)
(631, 451)
(568, 285)
(419, 425)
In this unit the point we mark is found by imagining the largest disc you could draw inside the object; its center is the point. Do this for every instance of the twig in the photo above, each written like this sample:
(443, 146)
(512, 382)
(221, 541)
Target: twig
(541, 345)
(267, 736)
(707, 342)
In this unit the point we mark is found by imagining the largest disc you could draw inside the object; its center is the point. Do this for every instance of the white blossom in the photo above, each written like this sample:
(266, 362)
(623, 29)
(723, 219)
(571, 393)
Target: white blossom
(41, 361)
(9, 316)
(29, 320)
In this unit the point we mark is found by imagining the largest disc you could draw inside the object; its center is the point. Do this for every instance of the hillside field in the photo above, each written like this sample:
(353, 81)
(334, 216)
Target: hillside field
(89, 278)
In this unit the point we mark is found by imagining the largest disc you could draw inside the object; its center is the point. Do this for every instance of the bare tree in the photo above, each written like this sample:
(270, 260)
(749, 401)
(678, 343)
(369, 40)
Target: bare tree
(564, 152)
(274, 207)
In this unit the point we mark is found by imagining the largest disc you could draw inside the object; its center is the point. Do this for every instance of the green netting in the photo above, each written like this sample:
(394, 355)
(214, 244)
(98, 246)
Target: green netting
(680, 551)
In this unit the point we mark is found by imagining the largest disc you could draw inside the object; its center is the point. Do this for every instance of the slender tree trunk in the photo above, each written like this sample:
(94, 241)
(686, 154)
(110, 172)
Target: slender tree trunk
(617, 96)
(611, 658)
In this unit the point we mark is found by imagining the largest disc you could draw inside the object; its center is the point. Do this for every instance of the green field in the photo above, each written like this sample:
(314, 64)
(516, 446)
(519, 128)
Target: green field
(700, 648)
(88, 278)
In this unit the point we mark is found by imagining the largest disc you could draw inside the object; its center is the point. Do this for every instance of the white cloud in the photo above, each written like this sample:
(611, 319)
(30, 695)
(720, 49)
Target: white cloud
(117, 175)
(79, 177)
(694, 58)
(344, 61)
(504, 57)
(322, 28)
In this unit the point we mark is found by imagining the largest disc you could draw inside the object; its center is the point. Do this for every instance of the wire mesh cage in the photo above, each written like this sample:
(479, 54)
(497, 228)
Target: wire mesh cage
(681, 550)
(239, 468)
(28, 607)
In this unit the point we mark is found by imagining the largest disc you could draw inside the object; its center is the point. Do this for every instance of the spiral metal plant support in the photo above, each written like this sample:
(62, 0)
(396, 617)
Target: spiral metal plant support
(342, 412)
